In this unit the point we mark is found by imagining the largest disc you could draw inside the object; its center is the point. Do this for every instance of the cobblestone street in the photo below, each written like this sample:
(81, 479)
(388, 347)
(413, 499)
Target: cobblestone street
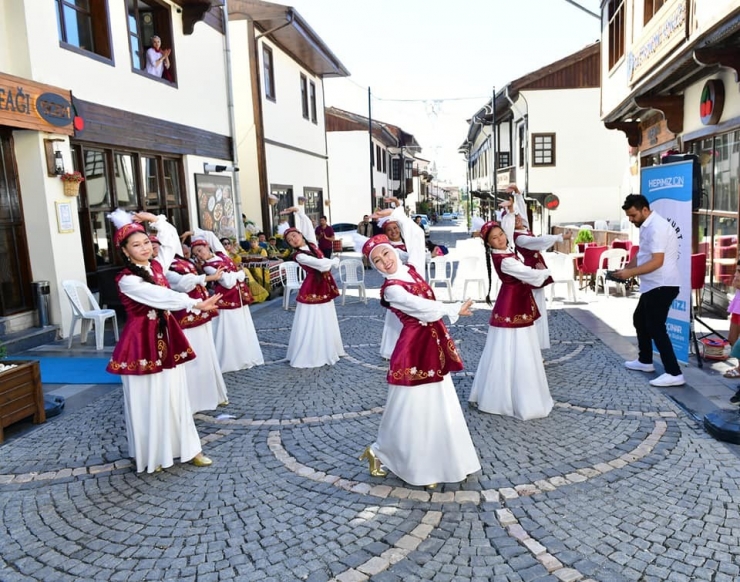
(616, 484)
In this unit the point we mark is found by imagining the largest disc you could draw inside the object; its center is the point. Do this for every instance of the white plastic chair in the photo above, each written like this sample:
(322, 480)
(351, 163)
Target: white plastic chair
(352, 274)
(291, 275)
(439, 271)
(470, 270)
(561, 270)
(77, 292)
(611, 260)
(601, 225)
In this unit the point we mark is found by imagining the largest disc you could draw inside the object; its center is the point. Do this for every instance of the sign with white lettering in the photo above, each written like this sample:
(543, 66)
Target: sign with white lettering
(668, 188)
(29, 105)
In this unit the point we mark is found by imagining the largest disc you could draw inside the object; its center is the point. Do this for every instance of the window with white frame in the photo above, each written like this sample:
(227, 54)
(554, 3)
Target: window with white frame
(543, 149)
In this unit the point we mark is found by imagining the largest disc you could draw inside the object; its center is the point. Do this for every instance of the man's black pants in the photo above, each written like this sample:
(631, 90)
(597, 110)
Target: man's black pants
(649, 321)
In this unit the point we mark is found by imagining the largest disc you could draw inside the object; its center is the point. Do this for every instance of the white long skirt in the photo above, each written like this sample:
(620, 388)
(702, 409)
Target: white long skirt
(315, 339)
(541, 325)
(206, 387)
(159, 421)
(236, 340)
(511, 379)
(391, 332)
(423, 437)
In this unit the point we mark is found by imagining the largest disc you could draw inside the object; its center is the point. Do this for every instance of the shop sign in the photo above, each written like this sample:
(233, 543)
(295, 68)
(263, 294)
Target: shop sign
(29, 105)
(661, 35)
(503, 179)
(712, 102)
(551, 202)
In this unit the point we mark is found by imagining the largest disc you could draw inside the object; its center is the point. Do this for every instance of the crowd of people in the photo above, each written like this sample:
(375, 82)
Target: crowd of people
(186, 303)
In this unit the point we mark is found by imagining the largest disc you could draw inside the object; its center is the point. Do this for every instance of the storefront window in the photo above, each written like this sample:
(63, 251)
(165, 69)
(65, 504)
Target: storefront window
(125, 179)
(716, 221)
(135, 184)
(96, 181)
(313, 204)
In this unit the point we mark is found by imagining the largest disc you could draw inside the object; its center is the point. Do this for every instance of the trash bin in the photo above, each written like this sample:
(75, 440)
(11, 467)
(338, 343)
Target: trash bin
(41, 292)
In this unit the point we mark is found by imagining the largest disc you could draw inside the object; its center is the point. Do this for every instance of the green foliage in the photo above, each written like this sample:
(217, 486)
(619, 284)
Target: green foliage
(3, 352)
(584, 236)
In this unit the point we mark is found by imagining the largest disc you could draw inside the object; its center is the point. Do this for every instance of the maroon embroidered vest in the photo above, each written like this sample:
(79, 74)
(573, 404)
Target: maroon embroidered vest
(515, 305)
(317, 287)
(424, 352)
(401, 246)
(532, 258)
(151, 340)
(239, 295)
(185, 318)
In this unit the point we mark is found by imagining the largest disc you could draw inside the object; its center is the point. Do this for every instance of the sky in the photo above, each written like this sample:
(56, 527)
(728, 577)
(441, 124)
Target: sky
(431, 64)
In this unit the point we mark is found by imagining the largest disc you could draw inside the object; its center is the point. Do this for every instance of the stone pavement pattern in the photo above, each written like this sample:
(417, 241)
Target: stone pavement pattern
(616, 484)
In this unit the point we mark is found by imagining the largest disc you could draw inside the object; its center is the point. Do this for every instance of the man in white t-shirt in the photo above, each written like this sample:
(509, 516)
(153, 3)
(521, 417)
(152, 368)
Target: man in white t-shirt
(656, 264)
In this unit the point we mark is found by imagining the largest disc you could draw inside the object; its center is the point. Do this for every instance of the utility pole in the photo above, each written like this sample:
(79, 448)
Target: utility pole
(494, 152)
(372, 150)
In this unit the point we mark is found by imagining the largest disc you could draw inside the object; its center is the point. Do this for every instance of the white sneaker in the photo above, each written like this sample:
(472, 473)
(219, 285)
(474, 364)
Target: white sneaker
(639, 366)
(668, 380)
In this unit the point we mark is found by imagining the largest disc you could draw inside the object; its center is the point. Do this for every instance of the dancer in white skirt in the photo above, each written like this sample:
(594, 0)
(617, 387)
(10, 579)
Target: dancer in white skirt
(152, 349)
(423, 437)
(236, 339)
(407, 238)
(315, 339)
(510, 379)
(206, 386)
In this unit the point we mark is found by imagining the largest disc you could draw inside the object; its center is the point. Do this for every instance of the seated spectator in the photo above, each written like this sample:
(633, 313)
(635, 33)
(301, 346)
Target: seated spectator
(255, 250)
(157, 58)
(436, 250)
(262, 240)
(273, 252)
(232, 250)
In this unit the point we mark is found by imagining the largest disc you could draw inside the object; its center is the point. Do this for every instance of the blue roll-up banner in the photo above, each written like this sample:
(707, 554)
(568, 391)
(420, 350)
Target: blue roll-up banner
(668, 189)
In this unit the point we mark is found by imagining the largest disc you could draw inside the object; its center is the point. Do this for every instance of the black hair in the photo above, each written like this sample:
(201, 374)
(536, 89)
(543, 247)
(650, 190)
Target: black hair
(636, 201)
(322, 216)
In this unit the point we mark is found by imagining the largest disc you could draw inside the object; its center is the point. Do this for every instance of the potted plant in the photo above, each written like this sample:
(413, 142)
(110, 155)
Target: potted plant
(71, 182)
(584, 236)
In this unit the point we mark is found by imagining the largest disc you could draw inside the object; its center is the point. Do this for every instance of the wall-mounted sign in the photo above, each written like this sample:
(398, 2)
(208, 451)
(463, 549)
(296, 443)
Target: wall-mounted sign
(665, 31)
(704, 15)
(29, 105)
(712, 101)
(551, 202)
(216, 210)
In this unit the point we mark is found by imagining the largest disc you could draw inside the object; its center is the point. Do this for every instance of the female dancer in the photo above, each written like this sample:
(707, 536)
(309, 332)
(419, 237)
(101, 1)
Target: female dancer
(408, 239)
(315, 339)
(206, 387)
(423, 437)
(236, 340)
(510, 379)
(159, 420)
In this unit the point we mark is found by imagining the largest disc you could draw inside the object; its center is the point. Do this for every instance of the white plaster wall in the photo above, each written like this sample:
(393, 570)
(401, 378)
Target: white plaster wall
(198, 100)
(283, 118)
(692, 99)
(246, 137)
(589, 159)
(14, 58)
(54, 257)
(349, 178)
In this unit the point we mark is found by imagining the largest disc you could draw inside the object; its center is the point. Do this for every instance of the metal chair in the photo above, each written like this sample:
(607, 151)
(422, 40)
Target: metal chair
(561, 271)
(352, 274)
(611, 260)
(291, 275)
(90, 315)
(439, 271)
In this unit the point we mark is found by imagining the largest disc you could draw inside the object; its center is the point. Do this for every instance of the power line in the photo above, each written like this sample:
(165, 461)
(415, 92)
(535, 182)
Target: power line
(374, 96)
(586, 10)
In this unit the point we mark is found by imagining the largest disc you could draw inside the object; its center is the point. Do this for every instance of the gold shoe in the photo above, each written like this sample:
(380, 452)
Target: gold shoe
(224, 403)
(373, 462)
(431, 486)
(201, 460)
(158, 469)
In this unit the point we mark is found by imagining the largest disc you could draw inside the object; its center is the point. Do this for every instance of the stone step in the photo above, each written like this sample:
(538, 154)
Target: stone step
(27, 339)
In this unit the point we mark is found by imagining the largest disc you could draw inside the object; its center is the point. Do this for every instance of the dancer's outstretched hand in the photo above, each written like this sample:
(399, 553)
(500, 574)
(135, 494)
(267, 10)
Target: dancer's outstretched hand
(466, 308)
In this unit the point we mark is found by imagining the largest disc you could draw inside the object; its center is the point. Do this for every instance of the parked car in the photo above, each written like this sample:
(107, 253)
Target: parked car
(343, 231)
(449, 216)
(424, 222)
